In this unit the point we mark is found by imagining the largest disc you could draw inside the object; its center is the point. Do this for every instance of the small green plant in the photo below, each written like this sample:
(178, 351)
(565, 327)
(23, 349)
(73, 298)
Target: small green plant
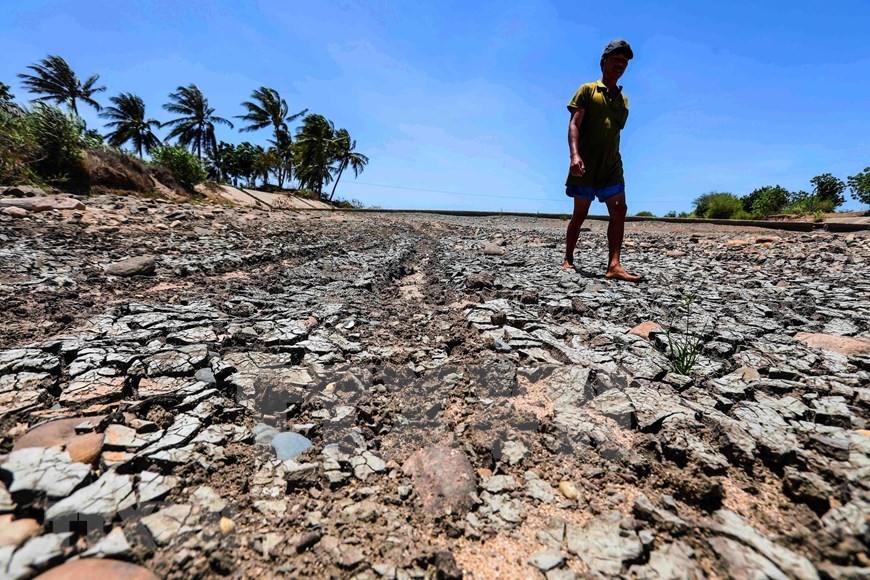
(645, 214)
(183, 165)
(818, 216)
(684, 347)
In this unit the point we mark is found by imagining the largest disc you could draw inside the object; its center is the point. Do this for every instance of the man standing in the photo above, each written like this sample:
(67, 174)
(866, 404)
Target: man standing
(598, 113)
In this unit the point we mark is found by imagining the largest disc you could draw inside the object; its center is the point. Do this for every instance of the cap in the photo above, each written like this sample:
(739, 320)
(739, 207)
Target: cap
(618, 46)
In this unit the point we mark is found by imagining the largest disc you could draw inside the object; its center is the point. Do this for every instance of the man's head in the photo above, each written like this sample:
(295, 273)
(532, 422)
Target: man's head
(615, 57)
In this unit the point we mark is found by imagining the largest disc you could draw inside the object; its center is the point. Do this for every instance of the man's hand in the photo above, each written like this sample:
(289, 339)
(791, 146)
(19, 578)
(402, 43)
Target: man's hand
(577, 166)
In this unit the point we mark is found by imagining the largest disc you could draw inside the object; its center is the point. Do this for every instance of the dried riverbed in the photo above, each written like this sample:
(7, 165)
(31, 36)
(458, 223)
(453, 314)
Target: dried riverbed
(406, 396)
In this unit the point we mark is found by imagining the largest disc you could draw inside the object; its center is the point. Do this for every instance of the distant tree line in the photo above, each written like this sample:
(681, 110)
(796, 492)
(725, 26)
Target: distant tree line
(42, 142)
(828, 193)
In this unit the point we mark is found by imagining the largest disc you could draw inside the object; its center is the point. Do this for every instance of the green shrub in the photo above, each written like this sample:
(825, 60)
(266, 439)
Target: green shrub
(184, 166)
(671, 214)
(717, 205)
(59, 140)
(645, 214)
(766, 200)
(826, 187)
(860, 186)
(17, 147)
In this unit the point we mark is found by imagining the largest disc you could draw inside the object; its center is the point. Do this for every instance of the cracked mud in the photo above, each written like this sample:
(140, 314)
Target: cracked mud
(199, 391)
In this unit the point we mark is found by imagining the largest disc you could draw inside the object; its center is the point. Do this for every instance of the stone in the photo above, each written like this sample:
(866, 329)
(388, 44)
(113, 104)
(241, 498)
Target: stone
(493, 249)
(15, 212)
(108, 495)
(479, 281)
(644, 329)
(744, 562)
(226, 525)
(6, 503)
(208, 499)
(844, 345)
(547, 560)
(45, 469)
(289, 445)
(168, 523)
(539, 489)
(36, 554)
(645, 510)
(82, 448)
(604, 545)
(673, 561)
(98, 568)
(153, 486)
(137, 266)
(514, 452)
(43, 203)
(14, 533)
(498, 483)
(728, 523)
(443, 479)
(23, 191)
(103, 383)
(569, 490)
(115, 544)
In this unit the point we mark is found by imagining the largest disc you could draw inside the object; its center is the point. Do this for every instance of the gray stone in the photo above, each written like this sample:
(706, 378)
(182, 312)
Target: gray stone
(645, 510)
(169, 523)
(547, 560)
(36, 554)
(443, 479)
(289, 445)
(6, 503)
(603, 545)
(743, 562)
(493, 249)
(138, 266)
(44, 469)
(105, 497)
(153, 486)
(539, 489)
(498, 483)
(114, 544)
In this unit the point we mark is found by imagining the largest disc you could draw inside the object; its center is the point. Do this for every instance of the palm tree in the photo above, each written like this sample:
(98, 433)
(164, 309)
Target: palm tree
(266, 108)
(315, 152)
(130, 124)
(195, 127)
(346, 155)
(56, 81)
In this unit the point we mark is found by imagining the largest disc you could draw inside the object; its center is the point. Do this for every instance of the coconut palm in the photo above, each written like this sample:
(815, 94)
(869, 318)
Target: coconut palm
(56, 81)
(346, 155)
(315, 152)
(266, 108)
(195, 127)
(129, 123)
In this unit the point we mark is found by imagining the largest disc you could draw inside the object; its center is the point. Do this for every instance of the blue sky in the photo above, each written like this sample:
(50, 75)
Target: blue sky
(469, 97)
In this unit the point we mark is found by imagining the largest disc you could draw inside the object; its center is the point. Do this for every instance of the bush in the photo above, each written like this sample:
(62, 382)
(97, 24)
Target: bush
(645, 214)
(184, 166)
(860, 186)
(766, 200)
(826, 187)
(803, 203)
(717, 205)
(59, 141)
(17, 147)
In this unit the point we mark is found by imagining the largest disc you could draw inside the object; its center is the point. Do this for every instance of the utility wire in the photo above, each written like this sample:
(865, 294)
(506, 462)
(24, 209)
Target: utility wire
(449, 192)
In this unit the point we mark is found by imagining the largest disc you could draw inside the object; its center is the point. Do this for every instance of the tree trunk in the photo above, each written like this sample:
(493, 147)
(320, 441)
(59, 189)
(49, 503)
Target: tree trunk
(340, 171)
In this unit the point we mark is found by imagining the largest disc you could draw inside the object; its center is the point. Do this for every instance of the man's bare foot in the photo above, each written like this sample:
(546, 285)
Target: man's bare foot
(568, 265)
(620, 273)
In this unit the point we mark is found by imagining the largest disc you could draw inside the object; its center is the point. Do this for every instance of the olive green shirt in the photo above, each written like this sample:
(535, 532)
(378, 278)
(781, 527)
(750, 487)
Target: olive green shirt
(599, 135)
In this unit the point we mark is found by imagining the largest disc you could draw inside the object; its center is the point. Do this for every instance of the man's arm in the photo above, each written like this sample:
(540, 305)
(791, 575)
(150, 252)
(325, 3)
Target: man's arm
(577, 166)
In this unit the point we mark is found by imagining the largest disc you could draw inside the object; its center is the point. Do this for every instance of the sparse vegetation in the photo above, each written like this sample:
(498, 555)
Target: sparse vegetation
(859, 185)
(645, 214)
(185, 168)
(684, 347)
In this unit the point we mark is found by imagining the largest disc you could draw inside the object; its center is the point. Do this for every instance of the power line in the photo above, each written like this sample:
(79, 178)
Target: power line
(449, 192)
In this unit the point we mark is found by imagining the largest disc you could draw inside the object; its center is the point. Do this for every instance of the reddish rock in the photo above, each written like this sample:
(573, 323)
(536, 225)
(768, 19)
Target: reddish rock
(16, 212)
(98, 568)
(47, 203)
(15, 533)
(61, 433)
(443, 479)
(845, 345)
(644, 329)
(736, 243)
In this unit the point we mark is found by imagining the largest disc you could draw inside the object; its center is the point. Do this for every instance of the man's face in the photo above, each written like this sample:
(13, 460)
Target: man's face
(615, 65)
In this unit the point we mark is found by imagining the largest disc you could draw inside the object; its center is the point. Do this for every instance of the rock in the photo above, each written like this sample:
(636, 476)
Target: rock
(493, 249)
(208, 499)
(539, 489)
(498, 483)
(36, 554)
(153, 486)
(23, 191)
(105, 497)
(547, 560)
(168, 523)
(6, 503)
(844, 345)
(44, 469)
(114, 544)
(644, 329)
(14, 533)
(645, 510)
(43, 203)
(808, 488)
(84, 448)
(604, 545)
(479, 281)
(670, 562)
(290, 445)
(98, 568)
(569, 490)
(743, 562)
(443, 479)
(226, 525)
(514, 452)
(736, 243)
(728, 523)
(675, 253)
(15, 212)
(138, 266)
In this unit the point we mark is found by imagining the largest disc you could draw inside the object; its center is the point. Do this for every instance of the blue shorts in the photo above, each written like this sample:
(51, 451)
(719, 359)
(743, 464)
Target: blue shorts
(590, 193)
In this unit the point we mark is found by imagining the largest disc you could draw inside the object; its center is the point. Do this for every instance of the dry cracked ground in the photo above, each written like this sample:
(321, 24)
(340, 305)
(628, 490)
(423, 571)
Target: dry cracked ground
(406, 396)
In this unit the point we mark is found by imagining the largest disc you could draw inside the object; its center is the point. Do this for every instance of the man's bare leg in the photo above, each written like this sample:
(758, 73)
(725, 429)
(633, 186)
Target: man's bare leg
(615, 233)
(581, 210)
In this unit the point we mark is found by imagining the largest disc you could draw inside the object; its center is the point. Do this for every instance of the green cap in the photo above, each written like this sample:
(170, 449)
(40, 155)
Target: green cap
(620, 46)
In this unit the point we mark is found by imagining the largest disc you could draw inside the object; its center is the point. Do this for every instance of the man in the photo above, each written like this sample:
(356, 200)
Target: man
(598, 113)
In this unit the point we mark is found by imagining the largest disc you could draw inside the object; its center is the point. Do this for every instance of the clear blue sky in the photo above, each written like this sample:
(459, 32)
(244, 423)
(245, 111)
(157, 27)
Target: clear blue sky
(469, 97)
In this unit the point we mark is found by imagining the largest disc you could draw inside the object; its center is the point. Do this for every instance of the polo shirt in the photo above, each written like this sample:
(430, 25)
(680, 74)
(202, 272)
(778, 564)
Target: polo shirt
(599, 135)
